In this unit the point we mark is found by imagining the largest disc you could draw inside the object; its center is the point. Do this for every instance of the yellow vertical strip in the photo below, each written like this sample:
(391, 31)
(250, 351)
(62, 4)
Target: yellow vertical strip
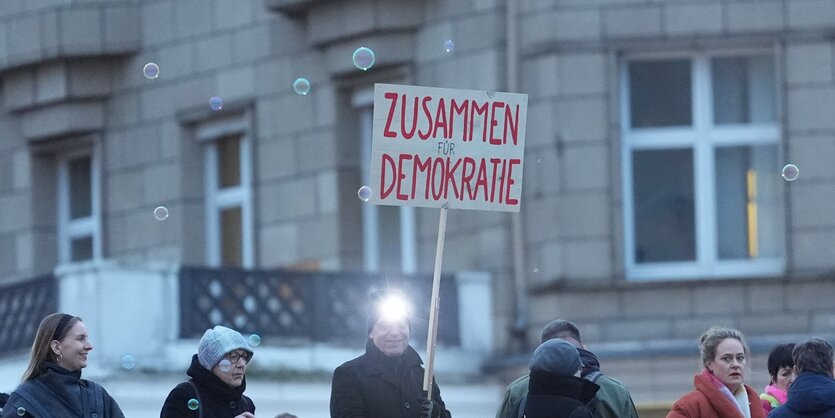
(751, 180)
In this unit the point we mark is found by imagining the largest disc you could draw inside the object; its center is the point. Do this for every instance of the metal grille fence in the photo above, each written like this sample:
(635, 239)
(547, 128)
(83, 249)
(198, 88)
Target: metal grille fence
(295, 306)
(22, 307)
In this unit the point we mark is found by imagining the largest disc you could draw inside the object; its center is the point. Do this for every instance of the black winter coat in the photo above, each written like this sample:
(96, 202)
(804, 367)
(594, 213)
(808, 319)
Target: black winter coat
(376, 386)
(215, 398)
(811, 395)
(60, 393)
(552, 396)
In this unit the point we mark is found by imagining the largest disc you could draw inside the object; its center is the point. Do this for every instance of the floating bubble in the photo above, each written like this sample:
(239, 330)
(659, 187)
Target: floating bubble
(193, 404)
(538, 160)
(21, 411)
(449, 46)
(790, 172)
(301, 86)
(150, 71)
(128, 362)
(254, 340)
(535, 270)
(225, 365)
(216, 103)
(363, 58)
(161, 213)
(364, 193)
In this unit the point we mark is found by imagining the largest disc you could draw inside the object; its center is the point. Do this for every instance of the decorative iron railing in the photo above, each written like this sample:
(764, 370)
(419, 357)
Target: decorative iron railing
(298, 307)
(22, 307)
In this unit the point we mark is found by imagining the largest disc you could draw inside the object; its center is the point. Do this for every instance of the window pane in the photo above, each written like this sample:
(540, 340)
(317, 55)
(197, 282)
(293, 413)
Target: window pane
(82, 249)
(230, 237)
(229, 161)
(664, 211)
(81, 186)
(748, 207)
(660, 93)
(743, 90)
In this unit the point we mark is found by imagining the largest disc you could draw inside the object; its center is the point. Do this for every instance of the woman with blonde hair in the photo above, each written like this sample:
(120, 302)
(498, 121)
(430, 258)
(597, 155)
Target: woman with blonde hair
(719, 389)
(52, 385)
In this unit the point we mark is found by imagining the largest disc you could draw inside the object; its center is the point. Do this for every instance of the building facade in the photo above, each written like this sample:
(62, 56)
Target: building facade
(653, 203)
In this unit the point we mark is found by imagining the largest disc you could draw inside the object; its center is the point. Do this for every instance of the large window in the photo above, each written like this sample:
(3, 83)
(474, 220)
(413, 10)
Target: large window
(79, 236)
(701, 172)
(388, 232)
(228, 191)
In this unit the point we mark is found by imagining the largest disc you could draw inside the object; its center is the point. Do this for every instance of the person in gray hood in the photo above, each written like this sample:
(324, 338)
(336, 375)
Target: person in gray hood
(555, 389)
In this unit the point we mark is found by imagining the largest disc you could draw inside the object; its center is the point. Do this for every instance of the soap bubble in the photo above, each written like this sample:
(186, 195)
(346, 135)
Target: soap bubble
(150, 71)
(364, 193)
(254, 340)
(225, 365)
(449, 46)
(161, 213)
(790, 172)
(216, 103)
(193, 404)
(363, 58)
(301, 86)
(128, 362)
(21, 411)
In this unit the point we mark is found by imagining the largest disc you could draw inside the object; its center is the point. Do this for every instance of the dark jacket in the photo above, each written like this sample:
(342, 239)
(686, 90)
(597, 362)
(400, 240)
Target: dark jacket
(613, 399)
(554, 396)
(215, 398)
(811, 395)
(376, 386)
(60, 393)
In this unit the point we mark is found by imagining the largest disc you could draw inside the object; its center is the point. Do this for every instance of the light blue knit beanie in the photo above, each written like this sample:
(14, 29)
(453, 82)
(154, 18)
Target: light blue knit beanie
(216, 343)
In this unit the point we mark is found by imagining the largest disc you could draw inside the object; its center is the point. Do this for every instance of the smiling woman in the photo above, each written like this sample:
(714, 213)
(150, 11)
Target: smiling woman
(52, 384)
(719, 390)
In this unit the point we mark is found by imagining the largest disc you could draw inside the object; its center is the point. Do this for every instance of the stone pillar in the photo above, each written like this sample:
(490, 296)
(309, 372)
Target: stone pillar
(475, 311)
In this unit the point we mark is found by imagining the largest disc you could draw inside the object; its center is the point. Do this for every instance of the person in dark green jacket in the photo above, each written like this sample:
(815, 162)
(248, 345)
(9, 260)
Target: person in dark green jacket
(612, 400)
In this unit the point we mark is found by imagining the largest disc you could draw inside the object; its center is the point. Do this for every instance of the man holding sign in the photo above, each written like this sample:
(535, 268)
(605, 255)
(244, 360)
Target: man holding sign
(385, 382)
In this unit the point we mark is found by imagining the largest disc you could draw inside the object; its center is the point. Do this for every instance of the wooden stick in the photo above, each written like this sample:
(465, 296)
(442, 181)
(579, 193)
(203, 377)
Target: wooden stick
(435, 307)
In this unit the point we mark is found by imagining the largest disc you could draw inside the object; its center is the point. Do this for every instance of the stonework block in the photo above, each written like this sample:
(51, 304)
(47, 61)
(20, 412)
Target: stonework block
(804, 109)
(588, 259)
(21, 170)
(810, 205)
(716, 299)
(23, 40)
(191, 18)
(156, 22)
(811, 249)
(770, 324)
(766, 296)
(809, 63)
(430, 40)
(51, 82)
(541, 218)
(581, 119)
(317, 150)
(237, 83)
(586, 167)
(632, 330)
(584, 214)
(278, 245)
(540, 78)
(7, 254)
(318, 241)
(18, 89)
(540, 124)
(228, 14)
(121, 28)
(124, 190)
(276, 159)
(810, 14)
(477, 32)
(650, 303)
(549, 265)
(176, 61)
(580, 74)
(81, 30)
(257, 40)
(327, 196)
(24, 254)
(693, 18)
(630, 22)
(213, 52)
(757, 16)
(803, 296)
(812, 153)
(289, 200)
(162, 184)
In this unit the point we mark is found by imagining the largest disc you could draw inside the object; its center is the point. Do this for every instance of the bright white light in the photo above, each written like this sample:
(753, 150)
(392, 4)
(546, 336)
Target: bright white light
(393, 308)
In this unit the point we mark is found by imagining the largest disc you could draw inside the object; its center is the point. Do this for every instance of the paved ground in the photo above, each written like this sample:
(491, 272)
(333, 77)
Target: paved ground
(142, 397)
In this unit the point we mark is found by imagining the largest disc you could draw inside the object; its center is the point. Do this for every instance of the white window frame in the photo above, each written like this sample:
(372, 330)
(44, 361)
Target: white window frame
(90, 226)
(216, 199)
(363, 102)
(703, 138)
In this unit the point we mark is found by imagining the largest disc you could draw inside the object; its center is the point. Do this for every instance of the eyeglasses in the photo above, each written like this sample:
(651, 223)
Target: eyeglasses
(236, 356)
